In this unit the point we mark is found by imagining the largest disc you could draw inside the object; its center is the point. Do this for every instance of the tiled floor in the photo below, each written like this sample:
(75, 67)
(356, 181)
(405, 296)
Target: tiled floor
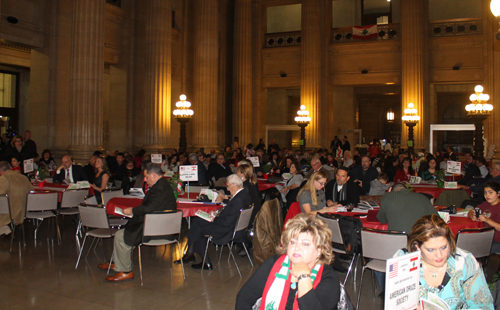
(43, 276)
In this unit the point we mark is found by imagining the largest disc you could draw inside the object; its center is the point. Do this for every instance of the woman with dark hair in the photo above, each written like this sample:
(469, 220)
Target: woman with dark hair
(293, 182)
(15, 162)
(449, 272)
(300, 276)
(404, 173)
(46, 160)
(139, 158)
(490, 210)
(101, 178)
(390, 167)
(275, 162)
(429, 171)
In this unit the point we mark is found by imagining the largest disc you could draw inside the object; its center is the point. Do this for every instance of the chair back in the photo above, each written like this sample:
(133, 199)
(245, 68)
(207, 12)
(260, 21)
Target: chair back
(244, 219)
(41, 201)
(476, 240)
(4, 205)
(71, 198)
(108, 194)
(334, 226)
(381, 244)
(162, 224)
(93, 217)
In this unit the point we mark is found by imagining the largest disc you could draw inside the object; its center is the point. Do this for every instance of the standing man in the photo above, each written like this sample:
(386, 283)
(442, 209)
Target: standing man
(364, 174)
(68, 171)
(453, 156)
(335, 144)
(29, 144)
(17, 187)
(346, 146)
(160, 197)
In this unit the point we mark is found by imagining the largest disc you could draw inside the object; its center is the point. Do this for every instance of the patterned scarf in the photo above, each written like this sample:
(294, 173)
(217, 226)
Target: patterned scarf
(278, 283)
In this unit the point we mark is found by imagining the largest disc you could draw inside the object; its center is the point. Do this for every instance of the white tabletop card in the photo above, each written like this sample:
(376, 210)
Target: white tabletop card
(188, 173)
(156, 158)
(28, 165)
(254, 160)
(401, 282)
(453, 167)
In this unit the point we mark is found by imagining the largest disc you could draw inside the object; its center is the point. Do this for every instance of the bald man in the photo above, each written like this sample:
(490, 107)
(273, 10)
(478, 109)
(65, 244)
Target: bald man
(69, 172)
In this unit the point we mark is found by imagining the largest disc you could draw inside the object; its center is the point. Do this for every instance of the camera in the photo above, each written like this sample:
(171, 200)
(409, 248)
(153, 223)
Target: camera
(451, 209)
(478, 212)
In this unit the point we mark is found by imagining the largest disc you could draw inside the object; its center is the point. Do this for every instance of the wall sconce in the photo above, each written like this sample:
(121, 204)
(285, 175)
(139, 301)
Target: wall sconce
(390, 116)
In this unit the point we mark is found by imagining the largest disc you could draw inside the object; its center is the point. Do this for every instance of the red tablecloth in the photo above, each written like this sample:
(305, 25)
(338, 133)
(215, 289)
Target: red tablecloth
(431, 190)
(263, 185)
(59, 188)
(188, 208)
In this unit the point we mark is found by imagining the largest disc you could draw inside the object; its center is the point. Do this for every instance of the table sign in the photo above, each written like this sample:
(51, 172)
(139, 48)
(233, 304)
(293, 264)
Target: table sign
(415, 179)
(156, 158)
(188, 173)
(28, 165)
(254, 160)
(453, 167)
(453, 185)
(402, 278)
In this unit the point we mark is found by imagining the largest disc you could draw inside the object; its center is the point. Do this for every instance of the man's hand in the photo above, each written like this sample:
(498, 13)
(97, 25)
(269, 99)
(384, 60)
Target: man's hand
(60, 168)
(128, 211)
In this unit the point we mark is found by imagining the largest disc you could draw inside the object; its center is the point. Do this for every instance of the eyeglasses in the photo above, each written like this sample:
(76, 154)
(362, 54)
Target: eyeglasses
(321, 183)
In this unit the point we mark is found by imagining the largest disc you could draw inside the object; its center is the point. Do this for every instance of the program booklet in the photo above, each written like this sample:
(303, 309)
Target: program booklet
(119, 210)
(79, 185)
(205, 215)
(433, 302)
(211, 194)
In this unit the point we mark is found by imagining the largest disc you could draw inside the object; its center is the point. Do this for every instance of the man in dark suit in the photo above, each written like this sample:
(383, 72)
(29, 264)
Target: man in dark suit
(219, 170)
(160, 197)
(341, 191)
(472, 171)
(453, 156)
(221, 228)
(68, 171)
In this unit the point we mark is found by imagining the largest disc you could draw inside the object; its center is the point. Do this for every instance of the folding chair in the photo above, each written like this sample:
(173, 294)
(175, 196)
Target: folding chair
(241, 225)
(476, 240)
(107, 194)
(70, 200)
(5, 210)
(42, 205)
(334, 226)
(94, 217)
(377, 247)
(162, 224)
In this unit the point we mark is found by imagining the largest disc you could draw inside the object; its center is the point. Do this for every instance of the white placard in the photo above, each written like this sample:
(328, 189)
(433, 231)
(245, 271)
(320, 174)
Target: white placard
(401, 282)
(453, 167)
(188, 173)
(254, 160)
(156, 158)
(28, 165)
(453, 185)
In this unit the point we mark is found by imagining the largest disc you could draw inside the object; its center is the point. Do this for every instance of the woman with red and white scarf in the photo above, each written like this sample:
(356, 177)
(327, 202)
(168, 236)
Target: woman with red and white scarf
(299, 278)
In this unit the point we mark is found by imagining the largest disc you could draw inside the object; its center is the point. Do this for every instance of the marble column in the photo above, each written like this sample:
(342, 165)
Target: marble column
(86, 82)
(242, 72)
(157, 105)
(310, 78)
(414, 55)
(204, 103)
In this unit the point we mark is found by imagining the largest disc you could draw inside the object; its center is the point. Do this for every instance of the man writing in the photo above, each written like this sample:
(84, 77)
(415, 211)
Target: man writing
(160, 197)
(341, 191)
(364, 174)
(17, 187)
(69, 172)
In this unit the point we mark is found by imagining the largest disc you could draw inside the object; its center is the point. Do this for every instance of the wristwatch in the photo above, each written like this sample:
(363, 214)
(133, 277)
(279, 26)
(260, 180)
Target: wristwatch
(303, 276)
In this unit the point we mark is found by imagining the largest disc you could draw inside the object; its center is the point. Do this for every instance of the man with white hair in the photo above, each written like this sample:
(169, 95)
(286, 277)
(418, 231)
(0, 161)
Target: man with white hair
(221, 228)
(317, 166)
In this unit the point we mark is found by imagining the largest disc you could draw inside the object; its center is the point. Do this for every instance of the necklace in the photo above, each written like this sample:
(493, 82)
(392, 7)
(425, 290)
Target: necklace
(434, 273)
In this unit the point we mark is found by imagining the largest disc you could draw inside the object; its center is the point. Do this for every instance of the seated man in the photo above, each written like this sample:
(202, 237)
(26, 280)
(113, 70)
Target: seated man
(219, 170)
(202, 172)
(221, 227)
(317, 166)
(68, 171)
(364, 174)
(472, 171)
(160, 197)
(90, 169)
(17, 187)
(341, 191)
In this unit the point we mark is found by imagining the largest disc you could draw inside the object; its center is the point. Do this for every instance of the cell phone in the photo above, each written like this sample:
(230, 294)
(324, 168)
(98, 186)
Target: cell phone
(477, 211)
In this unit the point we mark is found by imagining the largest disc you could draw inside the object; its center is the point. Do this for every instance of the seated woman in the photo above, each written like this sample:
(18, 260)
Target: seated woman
(15, 162)
(404, 173)
(312, 197)
(275, 162)
(47, 161)
(300, 277)
(348, 162)
(447, 271)
(127, 174)
(245, 171)
(101, 178)
(292, 183)
(490, 212)
(285, 164)
(429, 172)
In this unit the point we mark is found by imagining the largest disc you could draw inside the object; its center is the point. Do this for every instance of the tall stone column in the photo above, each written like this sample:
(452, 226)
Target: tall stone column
(414, 71)
(205, 77)
(86, 82)
(157, 105)
(310, 76)
(242, 71)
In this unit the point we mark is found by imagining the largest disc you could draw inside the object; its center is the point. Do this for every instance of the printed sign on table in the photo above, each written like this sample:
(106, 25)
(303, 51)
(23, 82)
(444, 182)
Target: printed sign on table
(28, 165)
(453, 167)
(156, 158)
(188, 173)
(254, 160)
(401, 282)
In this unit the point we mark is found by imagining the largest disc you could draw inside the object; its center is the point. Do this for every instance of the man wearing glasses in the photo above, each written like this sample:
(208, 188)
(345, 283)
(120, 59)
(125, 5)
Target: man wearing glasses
(317, 166)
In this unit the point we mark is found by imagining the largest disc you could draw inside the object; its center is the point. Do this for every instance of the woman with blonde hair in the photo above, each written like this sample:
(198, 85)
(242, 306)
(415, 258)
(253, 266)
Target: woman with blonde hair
(312, 196)
(245, 171)
(300, 276)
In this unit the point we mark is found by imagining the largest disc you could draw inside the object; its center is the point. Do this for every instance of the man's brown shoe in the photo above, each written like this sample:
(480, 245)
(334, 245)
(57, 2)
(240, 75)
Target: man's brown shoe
(106, 266)
(121, 276)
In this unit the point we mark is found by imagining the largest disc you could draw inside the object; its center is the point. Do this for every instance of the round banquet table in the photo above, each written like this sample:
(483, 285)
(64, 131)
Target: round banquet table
(188, 207)
(432, 189)
(264, 184)
(59, 188)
